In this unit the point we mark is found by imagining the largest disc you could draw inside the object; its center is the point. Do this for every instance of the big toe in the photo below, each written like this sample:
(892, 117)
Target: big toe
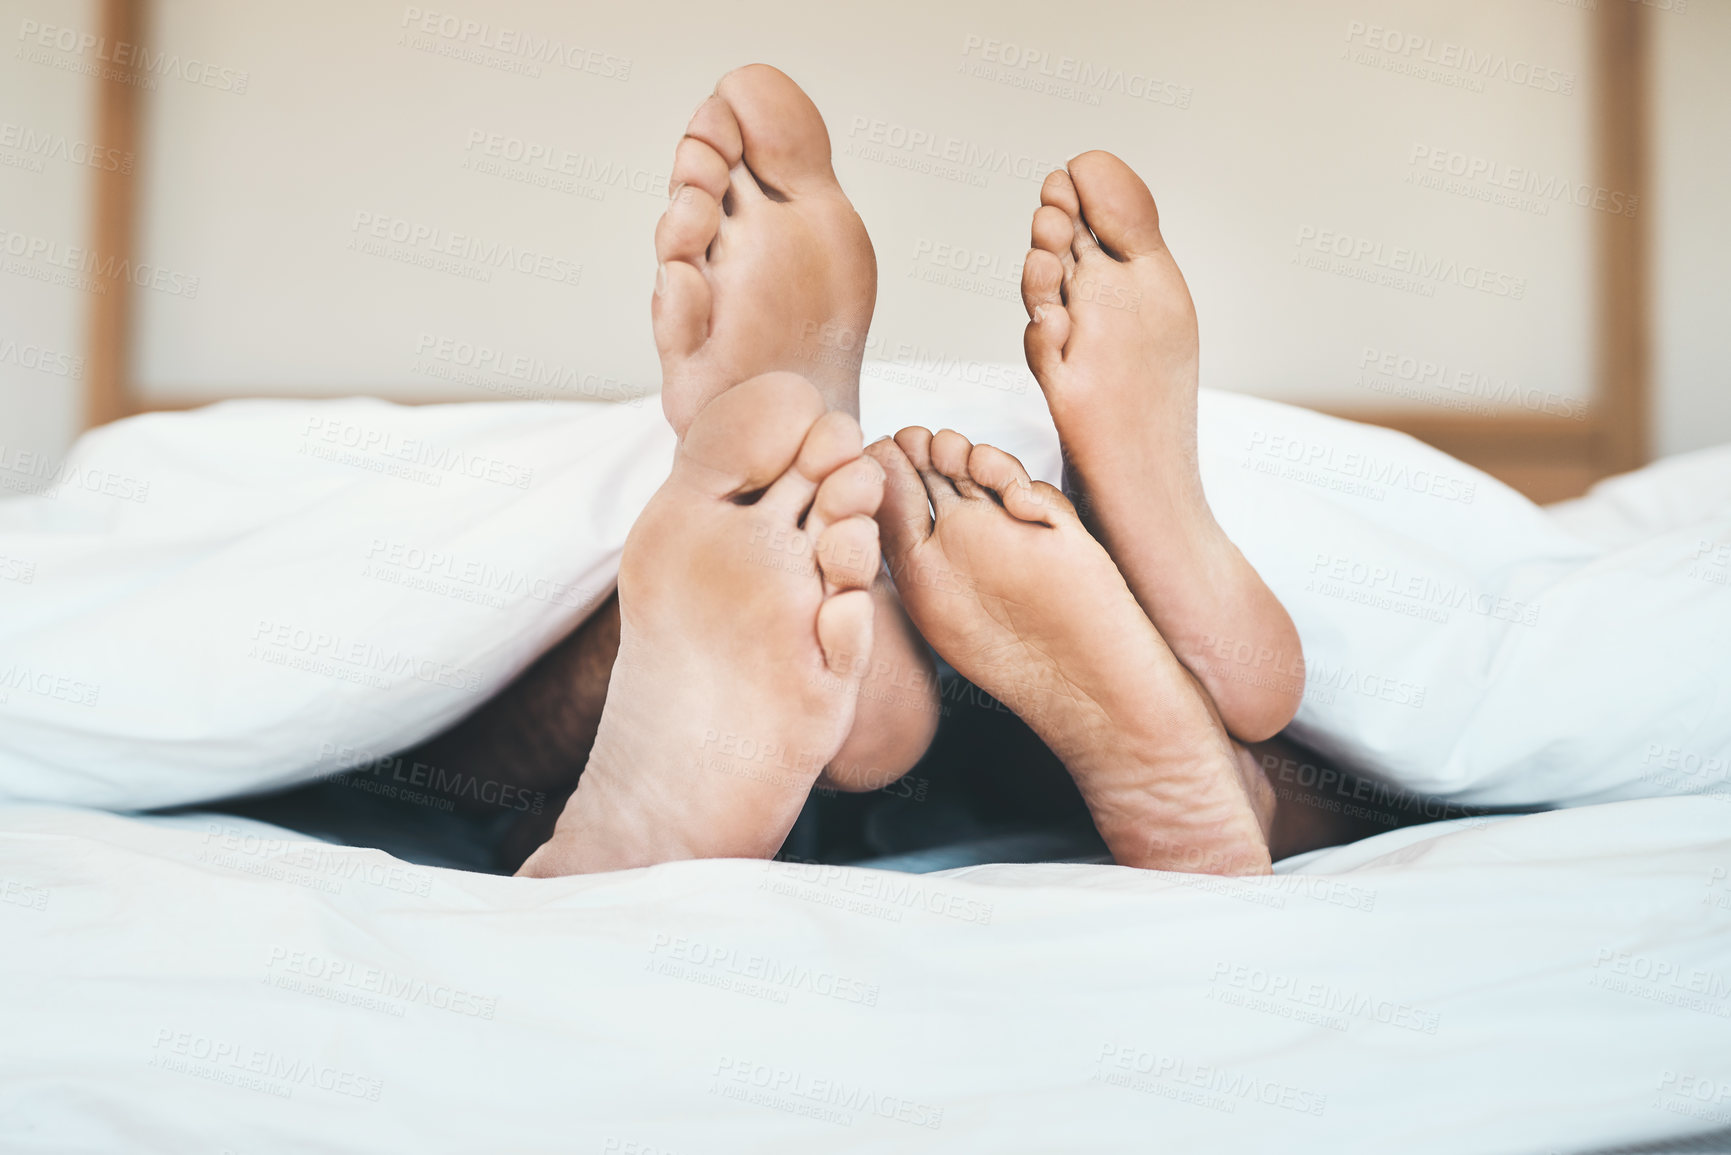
(749, 435)
(904, 513)
(785, 142)
(1116, 204)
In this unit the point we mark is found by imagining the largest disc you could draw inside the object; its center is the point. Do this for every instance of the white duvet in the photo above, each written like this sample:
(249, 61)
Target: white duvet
(262, 593)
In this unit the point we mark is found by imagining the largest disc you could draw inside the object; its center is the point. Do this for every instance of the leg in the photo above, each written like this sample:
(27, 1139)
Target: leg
(745, 625)
(536, 734)
(765, 266)
(1001, 576)
(1113, 344)
(1320, 804)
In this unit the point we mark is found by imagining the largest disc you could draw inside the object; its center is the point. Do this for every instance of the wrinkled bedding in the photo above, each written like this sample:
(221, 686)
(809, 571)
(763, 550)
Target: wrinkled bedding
(263, 593)
(284, 589)
(1558, 982)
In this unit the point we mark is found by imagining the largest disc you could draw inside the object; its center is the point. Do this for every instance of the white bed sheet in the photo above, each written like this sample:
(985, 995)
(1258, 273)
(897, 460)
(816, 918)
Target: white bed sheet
(1551, 983)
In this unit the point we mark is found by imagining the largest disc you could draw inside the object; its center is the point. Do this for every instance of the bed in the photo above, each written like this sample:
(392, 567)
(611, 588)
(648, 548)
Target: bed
(1552, 981)
(1557, 982)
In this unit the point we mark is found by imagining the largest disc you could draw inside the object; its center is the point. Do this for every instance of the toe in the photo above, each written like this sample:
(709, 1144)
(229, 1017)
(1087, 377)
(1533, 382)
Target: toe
(832, 441)
(847, 554)
(950, 457)
(916, 442)
(1060, 192)
(785, 141)
(844, 631)
(749, 435)
(688, 226)
(997, 470)
(1001, 473)
(1042, 280)
(679, 315)
(697, 165)
(715, 125)
(1052, 503)
(1053, 229)
(1116, 205)
(905, 514)
(855, 489)
(1048, 328)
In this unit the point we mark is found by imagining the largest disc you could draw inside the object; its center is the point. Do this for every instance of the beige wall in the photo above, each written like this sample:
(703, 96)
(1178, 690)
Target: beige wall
(45, 145)
(1270, 132)
(1692, 212)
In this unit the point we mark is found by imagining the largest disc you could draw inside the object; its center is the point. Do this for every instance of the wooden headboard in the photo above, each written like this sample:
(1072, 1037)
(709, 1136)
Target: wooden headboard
(1546, 457)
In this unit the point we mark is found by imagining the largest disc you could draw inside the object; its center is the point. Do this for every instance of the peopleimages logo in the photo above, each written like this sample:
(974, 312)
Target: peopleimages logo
(1434, 375)
(43, 360)
(1410, 263)
(516, 42)
(39, 145)
(391, 665)
(428, 245)
(134, 57)
(874, 138)
(1071, 77)
(1490, 177)
(256, 1068)
(88, 267)
(801, 1093)
(1409, 51)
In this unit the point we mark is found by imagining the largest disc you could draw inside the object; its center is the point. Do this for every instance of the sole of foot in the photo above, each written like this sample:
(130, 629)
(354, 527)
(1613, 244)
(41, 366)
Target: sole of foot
(1004, 580)
(745, 626)
(1112, 341)
(765, 266)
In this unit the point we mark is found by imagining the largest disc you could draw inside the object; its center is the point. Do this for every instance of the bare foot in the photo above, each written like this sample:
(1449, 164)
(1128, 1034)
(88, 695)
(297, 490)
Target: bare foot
(764, 263)
(1113, 345)
(1010, 588)
(765, 266)
(743, 613)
